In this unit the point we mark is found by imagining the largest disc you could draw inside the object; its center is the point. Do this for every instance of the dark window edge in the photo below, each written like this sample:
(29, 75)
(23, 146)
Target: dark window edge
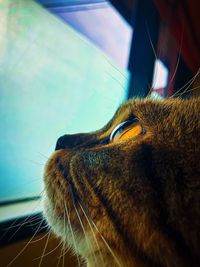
(66, 3)
(17, 229)
(18, 200)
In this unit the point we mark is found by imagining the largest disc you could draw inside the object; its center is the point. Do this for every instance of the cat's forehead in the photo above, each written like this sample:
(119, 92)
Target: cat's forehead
(157, 114)
(150, 107)
(153, 112)
(141, 108)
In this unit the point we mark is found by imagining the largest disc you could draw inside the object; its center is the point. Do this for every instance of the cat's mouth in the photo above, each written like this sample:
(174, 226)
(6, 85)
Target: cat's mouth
(65, 210)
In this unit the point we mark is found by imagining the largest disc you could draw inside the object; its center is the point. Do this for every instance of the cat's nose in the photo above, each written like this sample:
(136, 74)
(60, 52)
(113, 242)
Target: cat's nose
(69, 141)
(65, 141)
(60, 143)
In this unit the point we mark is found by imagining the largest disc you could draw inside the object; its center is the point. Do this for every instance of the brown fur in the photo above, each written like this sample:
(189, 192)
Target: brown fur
(142, 195)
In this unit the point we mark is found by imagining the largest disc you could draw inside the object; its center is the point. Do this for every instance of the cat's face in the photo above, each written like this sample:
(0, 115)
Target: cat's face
(127, 197)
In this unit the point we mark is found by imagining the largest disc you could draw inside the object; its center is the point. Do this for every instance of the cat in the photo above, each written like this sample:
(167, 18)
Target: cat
(128, 194)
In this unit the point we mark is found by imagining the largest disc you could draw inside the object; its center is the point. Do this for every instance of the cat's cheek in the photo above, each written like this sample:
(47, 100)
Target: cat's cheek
(55, 223)
(61, 228)
(101, 190)
(97, 163)
(54, 196)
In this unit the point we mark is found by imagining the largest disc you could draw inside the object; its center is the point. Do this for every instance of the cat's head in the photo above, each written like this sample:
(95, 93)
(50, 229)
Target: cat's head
(128, 196)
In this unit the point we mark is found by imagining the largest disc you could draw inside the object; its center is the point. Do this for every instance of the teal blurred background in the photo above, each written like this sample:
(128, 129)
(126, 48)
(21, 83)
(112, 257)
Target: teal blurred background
(52, 81)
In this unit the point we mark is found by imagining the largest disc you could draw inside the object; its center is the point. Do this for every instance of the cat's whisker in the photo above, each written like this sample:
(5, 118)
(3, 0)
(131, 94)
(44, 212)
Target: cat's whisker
(179, 90)
(36, 223)
(63, 261)
(105, 242)
(64, 220)
(41, 154)
(93, 233)
(43, 191)
(43, 227)
(39, 239)
(23, 249)
(151, 43)
(156, 58)
(114, 67)
(36, 163)
(187, 85)
(60, 256)
(49, 252)
(120, 84)
(150, 91)
(107, 245)
(178, 60)
(85, 234)
(72, 233)
(20, 225)
(185, 90)
(64, 250)
(45, 247)
(190, 90)
(176, 67)
(178, 93)
(103, 55)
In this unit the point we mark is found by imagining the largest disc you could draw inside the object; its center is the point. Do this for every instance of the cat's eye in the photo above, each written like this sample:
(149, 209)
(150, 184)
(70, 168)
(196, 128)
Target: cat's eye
(129, 129)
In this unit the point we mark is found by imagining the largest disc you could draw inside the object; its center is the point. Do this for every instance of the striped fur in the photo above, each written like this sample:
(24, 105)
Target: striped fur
(138, 200)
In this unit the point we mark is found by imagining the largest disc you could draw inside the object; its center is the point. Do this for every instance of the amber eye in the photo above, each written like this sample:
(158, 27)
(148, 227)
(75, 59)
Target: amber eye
(129, 129)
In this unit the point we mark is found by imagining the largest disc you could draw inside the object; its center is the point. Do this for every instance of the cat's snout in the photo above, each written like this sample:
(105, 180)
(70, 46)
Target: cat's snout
(70, 141)
(60, 144)
(66, 141)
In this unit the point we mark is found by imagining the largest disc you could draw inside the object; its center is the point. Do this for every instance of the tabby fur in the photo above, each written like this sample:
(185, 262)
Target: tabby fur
(138, 199)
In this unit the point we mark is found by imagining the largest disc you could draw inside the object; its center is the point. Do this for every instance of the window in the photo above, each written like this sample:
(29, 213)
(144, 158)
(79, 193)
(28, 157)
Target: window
(53, 81)
(160, 78)
(100, 23)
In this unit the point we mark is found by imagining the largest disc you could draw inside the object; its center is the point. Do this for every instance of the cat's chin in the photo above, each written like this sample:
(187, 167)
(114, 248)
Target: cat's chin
(82, 247)
(54, 222)
(57, 206)
(63, 230)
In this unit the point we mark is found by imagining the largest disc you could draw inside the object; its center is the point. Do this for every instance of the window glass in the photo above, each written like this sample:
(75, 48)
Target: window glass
(101, 24)
(160, 78)
(52, 81)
